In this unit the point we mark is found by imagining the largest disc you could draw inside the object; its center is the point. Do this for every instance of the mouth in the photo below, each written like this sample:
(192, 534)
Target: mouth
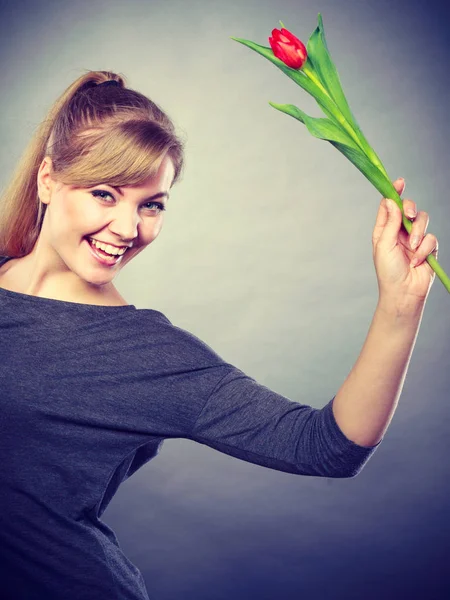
(103, 257)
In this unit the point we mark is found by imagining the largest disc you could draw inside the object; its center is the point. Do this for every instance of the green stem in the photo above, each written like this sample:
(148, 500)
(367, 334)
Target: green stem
(442, 275)
(368, 151)
(371, 154)
(309, 81)
(334, 109)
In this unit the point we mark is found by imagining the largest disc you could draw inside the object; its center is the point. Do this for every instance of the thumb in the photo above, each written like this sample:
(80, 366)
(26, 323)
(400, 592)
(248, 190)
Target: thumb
(393, 223)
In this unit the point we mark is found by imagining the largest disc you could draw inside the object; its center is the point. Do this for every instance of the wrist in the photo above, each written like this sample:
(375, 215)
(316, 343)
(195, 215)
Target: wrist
(401, 309)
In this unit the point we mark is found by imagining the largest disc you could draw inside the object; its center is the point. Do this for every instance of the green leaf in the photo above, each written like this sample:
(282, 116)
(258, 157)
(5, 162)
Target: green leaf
(326, 71)
(323, 66)
(325, 103)
(368, 169)
(327, 130)
(324, 129)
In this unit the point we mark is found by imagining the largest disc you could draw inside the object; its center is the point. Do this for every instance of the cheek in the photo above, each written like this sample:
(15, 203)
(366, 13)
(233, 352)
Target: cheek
(159, 226)
(64, 211)
(152, 231)
(62, 218)
(79, 218)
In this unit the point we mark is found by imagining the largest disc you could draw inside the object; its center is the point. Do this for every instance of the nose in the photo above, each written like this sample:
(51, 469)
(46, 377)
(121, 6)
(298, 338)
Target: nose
(125, 226)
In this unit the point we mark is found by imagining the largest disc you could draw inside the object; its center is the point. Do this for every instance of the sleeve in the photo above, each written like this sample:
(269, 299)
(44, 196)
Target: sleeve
(247, 420)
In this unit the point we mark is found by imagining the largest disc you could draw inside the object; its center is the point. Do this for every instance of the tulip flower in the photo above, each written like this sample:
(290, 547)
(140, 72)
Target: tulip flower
(288, 48)
(312, 69)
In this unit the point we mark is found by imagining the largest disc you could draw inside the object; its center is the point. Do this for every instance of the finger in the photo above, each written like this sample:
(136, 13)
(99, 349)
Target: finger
(399, 185)
(430, 245)
(409, 208)
(418, 229)
(384, 221)
(381, 219)
(388, 224)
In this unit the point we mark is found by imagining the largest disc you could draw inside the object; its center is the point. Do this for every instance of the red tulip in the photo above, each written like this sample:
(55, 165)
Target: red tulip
(288, 48)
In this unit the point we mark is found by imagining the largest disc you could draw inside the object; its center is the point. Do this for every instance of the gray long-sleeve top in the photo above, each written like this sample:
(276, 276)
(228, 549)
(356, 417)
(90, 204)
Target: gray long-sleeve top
(87, 395)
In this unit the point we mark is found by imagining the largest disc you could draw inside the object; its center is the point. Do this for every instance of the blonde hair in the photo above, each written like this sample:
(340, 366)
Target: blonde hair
(93, 134)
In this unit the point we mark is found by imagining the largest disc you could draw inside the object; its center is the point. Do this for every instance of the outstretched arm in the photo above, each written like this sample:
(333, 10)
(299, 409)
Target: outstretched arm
(366, 401)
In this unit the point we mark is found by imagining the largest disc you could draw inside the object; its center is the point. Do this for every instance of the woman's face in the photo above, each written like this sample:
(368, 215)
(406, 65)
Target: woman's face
(130, 218)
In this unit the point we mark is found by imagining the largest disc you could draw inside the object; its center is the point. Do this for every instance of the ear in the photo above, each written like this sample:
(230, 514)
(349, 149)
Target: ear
(45, 182)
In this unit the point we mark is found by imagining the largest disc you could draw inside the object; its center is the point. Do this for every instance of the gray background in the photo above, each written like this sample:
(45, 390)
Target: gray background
(266, 256)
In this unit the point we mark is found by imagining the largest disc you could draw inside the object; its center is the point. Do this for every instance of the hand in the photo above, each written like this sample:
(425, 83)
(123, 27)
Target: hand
(392, 253)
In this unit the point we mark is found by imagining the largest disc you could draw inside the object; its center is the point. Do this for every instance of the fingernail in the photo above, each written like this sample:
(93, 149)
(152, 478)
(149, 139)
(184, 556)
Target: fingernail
(414, 242)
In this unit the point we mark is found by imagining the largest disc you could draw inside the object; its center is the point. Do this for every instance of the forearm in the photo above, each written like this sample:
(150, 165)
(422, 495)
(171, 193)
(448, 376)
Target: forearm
(366, 401)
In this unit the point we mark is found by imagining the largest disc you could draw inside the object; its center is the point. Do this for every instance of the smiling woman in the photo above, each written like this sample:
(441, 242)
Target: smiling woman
(98, 132)
(90, 386)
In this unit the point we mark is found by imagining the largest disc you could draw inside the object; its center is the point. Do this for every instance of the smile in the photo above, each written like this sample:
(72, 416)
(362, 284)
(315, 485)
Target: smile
(103, 257)
(107, 248)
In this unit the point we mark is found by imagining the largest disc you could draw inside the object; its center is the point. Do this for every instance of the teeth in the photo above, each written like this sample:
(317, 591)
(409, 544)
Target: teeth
(107, 248)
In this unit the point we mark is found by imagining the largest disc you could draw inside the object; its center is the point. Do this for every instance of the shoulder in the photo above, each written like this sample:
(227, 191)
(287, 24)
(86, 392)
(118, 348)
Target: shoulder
(173, 341)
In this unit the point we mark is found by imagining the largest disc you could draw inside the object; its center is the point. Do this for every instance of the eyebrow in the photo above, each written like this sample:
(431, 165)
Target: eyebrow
(154, 197)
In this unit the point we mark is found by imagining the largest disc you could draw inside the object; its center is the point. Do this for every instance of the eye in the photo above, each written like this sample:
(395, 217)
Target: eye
(159, 205)
(96, 194)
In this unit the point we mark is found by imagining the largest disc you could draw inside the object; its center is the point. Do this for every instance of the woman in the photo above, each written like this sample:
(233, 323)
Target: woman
(91, 386)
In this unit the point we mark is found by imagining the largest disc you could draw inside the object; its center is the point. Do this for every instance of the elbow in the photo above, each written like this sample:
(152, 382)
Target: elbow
(328, 472)
(349, 474)
(339, 469)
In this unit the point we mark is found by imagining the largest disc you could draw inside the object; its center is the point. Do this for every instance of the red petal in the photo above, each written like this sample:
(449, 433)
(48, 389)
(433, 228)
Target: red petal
(276, 33)
(292, 38)
(289, 35)
(288, 48)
